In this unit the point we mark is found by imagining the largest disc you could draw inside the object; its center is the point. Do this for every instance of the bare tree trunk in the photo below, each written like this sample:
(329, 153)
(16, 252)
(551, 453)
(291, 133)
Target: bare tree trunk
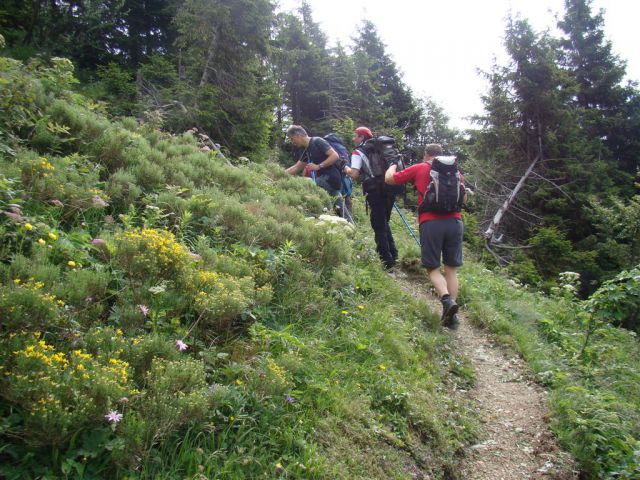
(181, 70)
(208, 66)
(488, 234)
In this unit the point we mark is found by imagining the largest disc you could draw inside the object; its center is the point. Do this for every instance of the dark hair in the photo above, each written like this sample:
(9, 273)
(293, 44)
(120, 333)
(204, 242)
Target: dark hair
(296, 130)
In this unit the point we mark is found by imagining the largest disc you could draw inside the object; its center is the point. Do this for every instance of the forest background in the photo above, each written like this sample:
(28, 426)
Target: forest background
(240, 71)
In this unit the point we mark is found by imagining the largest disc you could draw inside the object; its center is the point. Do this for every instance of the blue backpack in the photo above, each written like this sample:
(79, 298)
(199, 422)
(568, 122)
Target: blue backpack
(343, 154)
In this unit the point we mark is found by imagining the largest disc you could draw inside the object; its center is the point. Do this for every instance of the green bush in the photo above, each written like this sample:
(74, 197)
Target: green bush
(150, 255)
(60, 392)
(617, 301)
(27, 305)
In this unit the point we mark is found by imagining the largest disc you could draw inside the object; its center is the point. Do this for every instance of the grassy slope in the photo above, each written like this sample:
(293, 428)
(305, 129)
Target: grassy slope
(304, 360)
(595, 391)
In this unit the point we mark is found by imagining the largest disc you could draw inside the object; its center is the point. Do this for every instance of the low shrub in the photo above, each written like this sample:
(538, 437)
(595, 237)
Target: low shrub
(28, 305)
(150, 255)
(61, 392)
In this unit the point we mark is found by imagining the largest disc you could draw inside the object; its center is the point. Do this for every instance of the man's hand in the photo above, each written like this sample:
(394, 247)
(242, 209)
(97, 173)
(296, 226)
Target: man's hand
(313, 167)
(295, 168)
(354, 173)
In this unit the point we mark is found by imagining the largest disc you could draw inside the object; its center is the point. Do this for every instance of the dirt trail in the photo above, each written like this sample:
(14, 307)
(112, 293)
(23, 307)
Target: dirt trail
(515, 441)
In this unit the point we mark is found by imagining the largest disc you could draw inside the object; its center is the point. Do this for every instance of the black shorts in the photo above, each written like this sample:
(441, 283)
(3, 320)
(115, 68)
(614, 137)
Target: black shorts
(441, 238)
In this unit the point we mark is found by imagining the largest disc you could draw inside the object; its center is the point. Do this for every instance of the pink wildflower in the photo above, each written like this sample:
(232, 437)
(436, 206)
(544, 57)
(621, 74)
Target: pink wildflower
(181, 345)
(144, 310)
(56, 202)
(15, 217)
(113, 416)
(123, 400)
(97, 241)
(195, 256)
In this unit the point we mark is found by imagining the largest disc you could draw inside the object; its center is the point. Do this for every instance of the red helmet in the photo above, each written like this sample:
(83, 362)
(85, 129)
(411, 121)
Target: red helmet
(364, 132)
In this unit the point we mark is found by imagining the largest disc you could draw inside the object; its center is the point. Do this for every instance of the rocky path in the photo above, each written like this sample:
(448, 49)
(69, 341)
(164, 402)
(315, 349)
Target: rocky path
(515, 441)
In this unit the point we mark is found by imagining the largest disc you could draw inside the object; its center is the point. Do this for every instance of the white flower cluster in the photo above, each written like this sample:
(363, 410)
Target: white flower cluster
(569, 283)
(333, 224)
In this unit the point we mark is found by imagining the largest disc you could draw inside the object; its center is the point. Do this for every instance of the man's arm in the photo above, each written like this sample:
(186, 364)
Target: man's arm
(296, 167)
(356, 165)
(332, 157)
(388, 175)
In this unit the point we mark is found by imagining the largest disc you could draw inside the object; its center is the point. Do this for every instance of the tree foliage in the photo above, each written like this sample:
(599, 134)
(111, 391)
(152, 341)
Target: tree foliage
(558, 106)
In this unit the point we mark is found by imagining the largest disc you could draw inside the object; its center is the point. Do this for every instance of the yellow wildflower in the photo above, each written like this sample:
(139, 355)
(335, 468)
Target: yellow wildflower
(52, 236)
(344, 312)
(16, 281)
(382, 367)
(361, 307)
(71, 263)
(41, 241)
(28, 227)
(119, 331)
(239, 382)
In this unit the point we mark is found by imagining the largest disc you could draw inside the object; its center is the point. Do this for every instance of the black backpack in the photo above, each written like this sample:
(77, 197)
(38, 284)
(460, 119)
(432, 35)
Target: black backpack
(445, 193)
(343, 154)
(381, 153)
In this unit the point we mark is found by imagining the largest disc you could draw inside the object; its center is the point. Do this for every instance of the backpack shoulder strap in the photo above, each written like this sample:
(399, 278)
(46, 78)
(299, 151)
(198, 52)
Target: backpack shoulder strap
(365, 160)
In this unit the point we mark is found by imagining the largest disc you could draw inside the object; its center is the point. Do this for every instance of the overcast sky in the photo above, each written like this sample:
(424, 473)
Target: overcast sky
(440, 45)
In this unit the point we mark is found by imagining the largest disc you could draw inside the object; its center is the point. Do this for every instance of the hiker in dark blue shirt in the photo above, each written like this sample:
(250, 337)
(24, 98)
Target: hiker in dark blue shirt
(317, 160)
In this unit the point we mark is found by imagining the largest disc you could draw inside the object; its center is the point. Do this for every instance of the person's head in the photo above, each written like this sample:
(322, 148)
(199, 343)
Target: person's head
(298, 136)
(361, 134)
(432, 150)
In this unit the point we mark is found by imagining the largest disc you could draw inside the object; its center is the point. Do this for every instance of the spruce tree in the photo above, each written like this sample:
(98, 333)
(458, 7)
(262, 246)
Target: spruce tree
(608, 109)
(381, 98)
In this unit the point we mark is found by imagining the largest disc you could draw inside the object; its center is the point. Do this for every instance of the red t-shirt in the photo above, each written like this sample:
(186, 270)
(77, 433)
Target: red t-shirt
(419, 175)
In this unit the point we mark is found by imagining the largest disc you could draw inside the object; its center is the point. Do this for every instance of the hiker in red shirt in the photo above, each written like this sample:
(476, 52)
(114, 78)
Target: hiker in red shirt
(440, 233)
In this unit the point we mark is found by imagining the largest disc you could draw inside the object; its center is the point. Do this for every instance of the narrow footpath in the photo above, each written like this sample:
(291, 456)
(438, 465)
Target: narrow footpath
(515, 441)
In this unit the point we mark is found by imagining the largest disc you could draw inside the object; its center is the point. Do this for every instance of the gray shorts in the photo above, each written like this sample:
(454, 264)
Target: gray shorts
(441, 238)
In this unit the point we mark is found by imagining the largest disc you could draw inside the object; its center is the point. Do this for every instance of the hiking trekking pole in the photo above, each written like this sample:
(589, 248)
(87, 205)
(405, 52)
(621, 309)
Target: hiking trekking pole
(406, 224)
(346, 213)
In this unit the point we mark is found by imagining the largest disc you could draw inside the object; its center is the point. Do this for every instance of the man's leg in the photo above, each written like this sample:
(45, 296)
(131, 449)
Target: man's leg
(439, 281)
(390, 200)
(451, 277)
(432, 236)
(452, 253)
(323, 182)
(379, 224)
(452, 259)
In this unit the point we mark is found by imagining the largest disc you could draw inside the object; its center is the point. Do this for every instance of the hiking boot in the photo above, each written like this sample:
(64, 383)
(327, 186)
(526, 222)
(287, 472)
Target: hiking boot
(453, 324)
(449, 309)
(389, 264)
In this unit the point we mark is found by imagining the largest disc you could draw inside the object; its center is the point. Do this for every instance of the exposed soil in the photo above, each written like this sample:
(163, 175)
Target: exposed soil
(515, 440)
